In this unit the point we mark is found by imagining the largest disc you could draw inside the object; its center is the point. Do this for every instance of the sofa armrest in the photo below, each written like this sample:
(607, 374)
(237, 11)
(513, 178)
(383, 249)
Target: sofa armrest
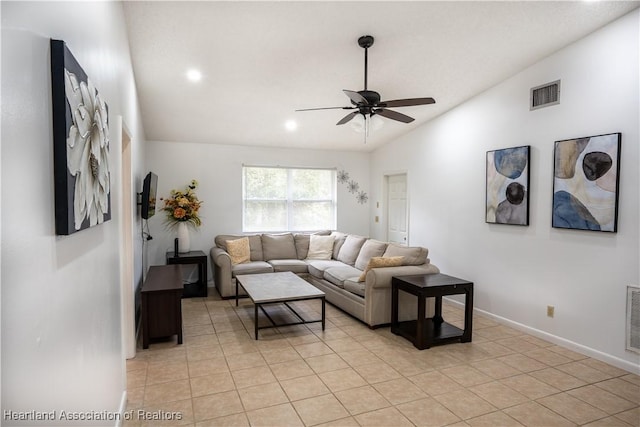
(381, 277)
(378, 294)
(220, 257)
(221, 263)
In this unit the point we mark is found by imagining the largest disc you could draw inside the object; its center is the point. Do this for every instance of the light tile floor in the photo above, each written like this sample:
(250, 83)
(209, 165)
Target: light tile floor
(350, 375)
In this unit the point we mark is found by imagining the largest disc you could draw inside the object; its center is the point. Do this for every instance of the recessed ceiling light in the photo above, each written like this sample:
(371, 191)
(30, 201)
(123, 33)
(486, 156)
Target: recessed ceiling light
(194, 75)
(291, 125)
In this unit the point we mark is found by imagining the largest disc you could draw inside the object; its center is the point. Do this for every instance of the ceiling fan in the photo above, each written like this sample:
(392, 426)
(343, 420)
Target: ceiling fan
(367, 102)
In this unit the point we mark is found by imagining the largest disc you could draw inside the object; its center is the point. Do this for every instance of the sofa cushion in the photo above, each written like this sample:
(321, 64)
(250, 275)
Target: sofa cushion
(238, 250)
(302, 244)
(350, 249)
(318, 266)
(412, 255)
(371, 248)
(354, 287)
(253, 267)
(278, 246)
(255, 244)
(378, 262)
(339, 239)
(293, 265)
(320, 247)
(337, 275)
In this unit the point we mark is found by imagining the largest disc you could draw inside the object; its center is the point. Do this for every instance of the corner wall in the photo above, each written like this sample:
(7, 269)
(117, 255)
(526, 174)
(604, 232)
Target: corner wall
(518, 271)
(218, 169)
(61, 295)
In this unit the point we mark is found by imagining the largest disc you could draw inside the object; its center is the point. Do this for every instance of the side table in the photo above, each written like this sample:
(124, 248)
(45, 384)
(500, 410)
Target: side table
(425, 332)
(199, 288)
(161, 303)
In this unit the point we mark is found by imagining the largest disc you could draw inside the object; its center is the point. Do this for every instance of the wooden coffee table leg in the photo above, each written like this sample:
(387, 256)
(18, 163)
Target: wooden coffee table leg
(323, 312)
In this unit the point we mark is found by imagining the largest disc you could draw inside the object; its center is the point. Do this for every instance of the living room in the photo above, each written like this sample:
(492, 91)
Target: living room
(63, 343)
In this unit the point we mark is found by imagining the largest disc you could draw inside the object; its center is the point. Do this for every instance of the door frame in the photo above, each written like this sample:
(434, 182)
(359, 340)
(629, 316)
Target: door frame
(127, 210)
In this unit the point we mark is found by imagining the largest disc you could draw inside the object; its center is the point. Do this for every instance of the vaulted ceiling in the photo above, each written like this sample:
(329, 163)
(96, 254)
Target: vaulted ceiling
(260, 61)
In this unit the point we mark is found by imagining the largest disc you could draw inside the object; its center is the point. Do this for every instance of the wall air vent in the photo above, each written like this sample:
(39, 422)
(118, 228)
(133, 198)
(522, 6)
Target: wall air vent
(633, 318)
(544, 96)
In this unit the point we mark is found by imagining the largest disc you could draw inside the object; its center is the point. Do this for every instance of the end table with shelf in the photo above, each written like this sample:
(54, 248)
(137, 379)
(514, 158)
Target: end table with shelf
(425, 332)
(199, 288)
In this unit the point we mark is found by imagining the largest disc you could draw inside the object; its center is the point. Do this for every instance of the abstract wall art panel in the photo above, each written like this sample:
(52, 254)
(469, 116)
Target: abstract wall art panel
(80, 145)
(585, 183)
(507, 181)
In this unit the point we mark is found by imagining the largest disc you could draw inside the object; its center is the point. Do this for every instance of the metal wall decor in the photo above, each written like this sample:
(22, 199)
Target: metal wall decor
(352, 186)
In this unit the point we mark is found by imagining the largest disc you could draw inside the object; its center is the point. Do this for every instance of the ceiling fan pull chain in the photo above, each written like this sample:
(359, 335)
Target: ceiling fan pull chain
(366, 128)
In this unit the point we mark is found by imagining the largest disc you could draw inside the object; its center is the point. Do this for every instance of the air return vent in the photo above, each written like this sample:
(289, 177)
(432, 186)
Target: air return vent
(633, 318)
(545, 95)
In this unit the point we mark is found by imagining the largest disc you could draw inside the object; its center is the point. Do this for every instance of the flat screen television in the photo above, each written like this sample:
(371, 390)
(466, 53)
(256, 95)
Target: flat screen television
(149, 191)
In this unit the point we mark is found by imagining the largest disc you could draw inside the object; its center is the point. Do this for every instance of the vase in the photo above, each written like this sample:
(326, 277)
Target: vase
(184, 243)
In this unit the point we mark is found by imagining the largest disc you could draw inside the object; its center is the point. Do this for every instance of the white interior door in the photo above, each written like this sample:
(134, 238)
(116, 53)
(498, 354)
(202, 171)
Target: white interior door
(398, 215)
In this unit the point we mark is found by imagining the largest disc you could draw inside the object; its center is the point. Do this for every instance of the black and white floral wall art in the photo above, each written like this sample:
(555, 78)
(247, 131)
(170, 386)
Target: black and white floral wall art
(81, 145)
(507, 181)
(586, 176)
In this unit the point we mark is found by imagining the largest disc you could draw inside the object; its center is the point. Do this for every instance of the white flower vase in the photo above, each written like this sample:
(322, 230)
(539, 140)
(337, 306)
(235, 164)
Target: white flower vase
(184, 242)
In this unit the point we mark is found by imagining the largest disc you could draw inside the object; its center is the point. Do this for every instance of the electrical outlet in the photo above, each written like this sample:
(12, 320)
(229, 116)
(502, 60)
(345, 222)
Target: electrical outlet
(550, 310)
(377, 218)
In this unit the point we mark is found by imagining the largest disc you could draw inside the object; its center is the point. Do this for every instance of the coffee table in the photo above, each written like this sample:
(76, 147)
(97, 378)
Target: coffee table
(278, 288)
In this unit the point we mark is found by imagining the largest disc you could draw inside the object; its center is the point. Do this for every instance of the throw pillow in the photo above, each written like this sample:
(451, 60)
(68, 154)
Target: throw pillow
(415, 255)
(379, 261)
(320, 247)
(370, 249)
(239, 250)
(350, 249)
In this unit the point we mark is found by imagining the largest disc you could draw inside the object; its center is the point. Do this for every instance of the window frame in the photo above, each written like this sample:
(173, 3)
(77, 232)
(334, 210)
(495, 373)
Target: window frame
(289, 201)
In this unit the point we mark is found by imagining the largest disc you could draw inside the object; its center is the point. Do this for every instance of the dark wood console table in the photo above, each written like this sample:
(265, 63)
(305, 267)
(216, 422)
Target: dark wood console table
(199, 288)
(161, 303)
(425, 332)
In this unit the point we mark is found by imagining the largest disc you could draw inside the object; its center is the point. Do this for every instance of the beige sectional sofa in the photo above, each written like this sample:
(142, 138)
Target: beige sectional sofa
(338, 275)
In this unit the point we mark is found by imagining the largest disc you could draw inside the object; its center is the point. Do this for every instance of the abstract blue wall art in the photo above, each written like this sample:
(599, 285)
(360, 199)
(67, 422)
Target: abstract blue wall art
(586, 175)
(507, 181)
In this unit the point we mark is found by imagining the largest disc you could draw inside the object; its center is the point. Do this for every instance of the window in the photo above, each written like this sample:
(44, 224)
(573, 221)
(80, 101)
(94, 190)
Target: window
(288, 199)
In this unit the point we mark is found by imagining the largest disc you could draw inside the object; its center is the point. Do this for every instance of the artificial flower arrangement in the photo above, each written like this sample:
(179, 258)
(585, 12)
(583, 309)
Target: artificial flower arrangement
(183, 206)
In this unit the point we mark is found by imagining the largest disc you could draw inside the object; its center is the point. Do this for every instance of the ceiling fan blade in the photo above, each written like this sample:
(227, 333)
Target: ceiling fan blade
(407, 102)
(355, 97)
(394, 115)
(326, 108)
(347, 118)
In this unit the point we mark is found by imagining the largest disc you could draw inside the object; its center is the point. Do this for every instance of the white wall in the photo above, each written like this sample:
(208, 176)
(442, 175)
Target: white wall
(518, 271)
(61, 318)
(218, 169)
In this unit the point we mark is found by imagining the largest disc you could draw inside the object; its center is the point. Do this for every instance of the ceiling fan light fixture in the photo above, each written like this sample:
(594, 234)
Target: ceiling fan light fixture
(366, 105)
(365, 123)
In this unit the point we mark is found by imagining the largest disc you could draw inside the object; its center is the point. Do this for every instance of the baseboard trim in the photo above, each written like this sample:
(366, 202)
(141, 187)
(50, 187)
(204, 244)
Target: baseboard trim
(122, 409)
(579, 348)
